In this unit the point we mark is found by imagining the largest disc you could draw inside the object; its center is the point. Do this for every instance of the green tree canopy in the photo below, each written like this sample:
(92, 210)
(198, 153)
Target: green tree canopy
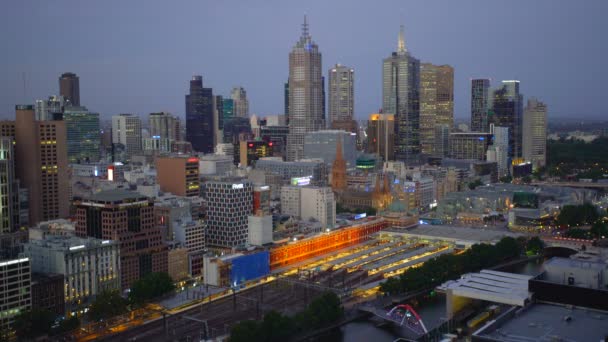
(534, 245)
(107, 304)
(33, 323)
(151, 286)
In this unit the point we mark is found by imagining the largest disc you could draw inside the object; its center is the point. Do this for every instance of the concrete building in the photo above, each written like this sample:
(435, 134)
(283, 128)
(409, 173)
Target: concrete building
(69, 88)
(15, 293)
(127, 217)
(535, 133)
(442, 141)
(126, 130)
(178, 175)
(315, 168)
(305, 94)
(215, 164)
(323, 144)
(190, 234)
(83, 135)
(469, 145)
(499, 151)
(341, 93)
(241, 104)
(480, 93)
(290, 200)
(49, 108)
(436, 102)
(88, 266)
(229, 203)
(164, 130)
(400, 96)
(41, 163)
(381, 135)
(260, 230)
(178, 263)
(48, 292)
(319, 203)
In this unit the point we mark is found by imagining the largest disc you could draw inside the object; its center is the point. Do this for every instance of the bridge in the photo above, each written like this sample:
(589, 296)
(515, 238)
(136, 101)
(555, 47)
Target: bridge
(402, 315)
(575, 244)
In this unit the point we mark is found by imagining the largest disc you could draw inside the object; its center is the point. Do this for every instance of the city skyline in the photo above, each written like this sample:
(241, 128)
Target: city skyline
(115, 65)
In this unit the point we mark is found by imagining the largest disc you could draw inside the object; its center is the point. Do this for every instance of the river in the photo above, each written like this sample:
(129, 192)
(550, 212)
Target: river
(431, 312)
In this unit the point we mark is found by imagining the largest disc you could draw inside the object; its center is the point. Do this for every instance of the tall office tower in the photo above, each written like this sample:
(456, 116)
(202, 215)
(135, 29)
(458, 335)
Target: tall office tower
(227, 111)
(229, 203)
(84, 137)
(436, 102)
(165, 126)
(535, 133)
(127, 217)
(400, 96)
(286, 100)
(199, 116)
(506, 105)
(381, 135)
(480, 93)
(341, 93)
(69, 88)
(47, 109)
(126, 130)
(241, 104)
(8, 187)
(305, 93)
(218, 119)
(15, 294)
(499, 151)
(178, 175)
(442, 141)
(41, 163)
(469, 145)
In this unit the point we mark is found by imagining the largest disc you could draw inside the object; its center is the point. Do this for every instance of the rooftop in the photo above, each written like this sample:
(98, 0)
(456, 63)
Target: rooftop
(447, 232)
(116, 195)
(493, 286)
(546, 322)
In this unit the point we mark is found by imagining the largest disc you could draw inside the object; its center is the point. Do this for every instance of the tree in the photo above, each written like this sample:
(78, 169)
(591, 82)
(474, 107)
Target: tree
(33, 323)
(577, 233)
(245, 331)
(527, 179)
(535, 245)
(107, 304)
(506, 179)
(151, 286)
(599, 229)
(67, 325)
(575, 215)
(475, 184)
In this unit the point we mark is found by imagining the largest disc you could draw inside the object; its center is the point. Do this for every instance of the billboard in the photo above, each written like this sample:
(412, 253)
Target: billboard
(301, 181)
(248, 267)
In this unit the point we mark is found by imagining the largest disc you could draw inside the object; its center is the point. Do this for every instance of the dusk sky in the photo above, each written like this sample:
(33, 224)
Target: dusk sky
(138, 56)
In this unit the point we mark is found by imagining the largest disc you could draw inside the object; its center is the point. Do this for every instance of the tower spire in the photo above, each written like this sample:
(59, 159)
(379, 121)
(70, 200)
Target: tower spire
(305, 27)
(401, 43)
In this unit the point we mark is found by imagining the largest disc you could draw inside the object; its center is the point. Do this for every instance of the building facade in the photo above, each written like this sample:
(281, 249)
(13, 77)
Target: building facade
(507, 111)
(69, 88)
(306, 99)
(15, 293)
(381, 135)
(128, 218)
(126, 130)
(199, 116)
(436, 102)
(229, 203)
(341, 93)
(315, 169)
(9, 203)
(47, 109)
(240, 101)
(469, 145)
(400, 96)
(480, 92)
(164, 128)
(535, 133)
(84, 135)
(178, 175)
(323, 144)
(318, 203)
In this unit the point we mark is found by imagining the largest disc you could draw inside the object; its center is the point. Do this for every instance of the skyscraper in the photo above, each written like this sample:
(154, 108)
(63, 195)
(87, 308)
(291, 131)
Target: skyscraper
(7, 186)
(199, 116)
(46, 109)
(164, 125)
(479, 104)
(126, 130)
(506, 105)
(436, 102)
(69, 88)
(227, 111)
(305, 93)
(241, 104)
(341, 93)
(84, 138)
(230, 202)
(400, 96)
(535, 133)
(41, 163)
(381, 135)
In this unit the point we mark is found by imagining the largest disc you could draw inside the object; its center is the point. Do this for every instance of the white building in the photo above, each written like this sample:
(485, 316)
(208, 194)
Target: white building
(260, 230)
(290, 200)
(241, 104)
(190, 233)
(318, 203)
(499, 151)
(15, 293)
(535, 133)
(213, 164)
(126, 130)
(89, 265)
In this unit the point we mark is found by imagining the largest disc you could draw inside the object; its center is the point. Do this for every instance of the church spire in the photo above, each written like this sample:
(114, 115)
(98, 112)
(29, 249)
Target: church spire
(401, 49)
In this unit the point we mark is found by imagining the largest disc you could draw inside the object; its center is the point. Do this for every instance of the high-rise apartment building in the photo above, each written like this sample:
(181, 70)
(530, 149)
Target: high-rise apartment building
(341, 93)
(400, 96)
(126, 130)
(15, 294)
(436, 102)
(178, 175)
(506, 110)
(535, 133)
(41, 163)
(499, 151)
(200, 126)
(241, 103)
(84, 135)
(306, 107)
(126, 217)
(480, 93)
(381, 135)
(69, 88)
(229, 203)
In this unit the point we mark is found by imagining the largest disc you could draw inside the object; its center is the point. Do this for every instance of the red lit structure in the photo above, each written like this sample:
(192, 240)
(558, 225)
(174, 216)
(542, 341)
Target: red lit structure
(326, 243)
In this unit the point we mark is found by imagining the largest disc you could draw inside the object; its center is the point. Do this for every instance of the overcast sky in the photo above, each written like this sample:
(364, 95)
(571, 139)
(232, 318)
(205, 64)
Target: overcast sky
(138, 56)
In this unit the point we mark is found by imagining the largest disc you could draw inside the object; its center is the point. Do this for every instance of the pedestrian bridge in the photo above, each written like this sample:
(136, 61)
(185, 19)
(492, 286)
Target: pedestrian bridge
(402, 315)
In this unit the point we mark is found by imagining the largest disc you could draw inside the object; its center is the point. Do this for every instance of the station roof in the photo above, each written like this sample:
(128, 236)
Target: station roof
(492, 286)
